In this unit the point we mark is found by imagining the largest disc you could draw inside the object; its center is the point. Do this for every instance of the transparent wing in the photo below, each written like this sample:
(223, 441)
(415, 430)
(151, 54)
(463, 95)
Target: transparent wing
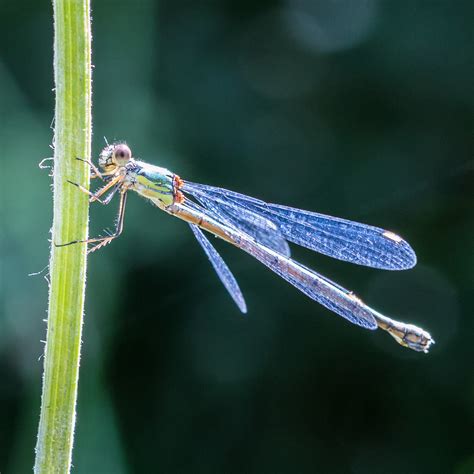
(312, 284)
(343, 239)
(248, 221)
(317, 287)
(221, 268)
(338, 238)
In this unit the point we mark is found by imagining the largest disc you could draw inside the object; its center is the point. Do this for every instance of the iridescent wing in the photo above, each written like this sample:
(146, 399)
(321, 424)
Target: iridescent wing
(319, 288)
(248, 221)
(315, 286)
(221, 268)
(338, 238)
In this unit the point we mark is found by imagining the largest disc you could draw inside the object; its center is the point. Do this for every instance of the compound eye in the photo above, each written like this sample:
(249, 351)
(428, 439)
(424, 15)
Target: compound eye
(122, 154)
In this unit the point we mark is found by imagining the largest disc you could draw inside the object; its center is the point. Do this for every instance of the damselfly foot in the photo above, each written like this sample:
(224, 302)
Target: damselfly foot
(95, 170)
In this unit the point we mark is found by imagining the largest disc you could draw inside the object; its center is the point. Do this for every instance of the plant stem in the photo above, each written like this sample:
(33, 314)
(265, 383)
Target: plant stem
(72, 74)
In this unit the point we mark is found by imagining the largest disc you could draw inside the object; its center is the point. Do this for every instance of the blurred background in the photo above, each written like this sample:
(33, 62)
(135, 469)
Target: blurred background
(362, 110)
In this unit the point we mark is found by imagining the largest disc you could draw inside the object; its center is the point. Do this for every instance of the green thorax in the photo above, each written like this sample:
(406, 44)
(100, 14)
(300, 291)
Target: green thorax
(154, 183)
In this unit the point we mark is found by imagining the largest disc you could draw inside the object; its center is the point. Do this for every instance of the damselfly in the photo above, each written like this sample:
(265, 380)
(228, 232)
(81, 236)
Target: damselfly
(263, 230)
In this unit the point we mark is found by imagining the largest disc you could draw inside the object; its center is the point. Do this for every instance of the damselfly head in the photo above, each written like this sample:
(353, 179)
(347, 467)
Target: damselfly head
(114, 156)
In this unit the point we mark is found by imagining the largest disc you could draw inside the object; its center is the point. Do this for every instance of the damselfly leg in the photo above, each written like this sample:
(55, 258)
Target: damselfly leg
(96, 196)
(116, 184)
(103, 241)
(95, 170)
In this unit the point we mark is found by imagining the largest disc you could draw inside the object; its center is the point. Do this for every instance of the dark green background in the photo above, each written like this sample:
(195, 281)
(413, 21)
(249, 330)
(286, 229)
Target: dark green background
(358, 109)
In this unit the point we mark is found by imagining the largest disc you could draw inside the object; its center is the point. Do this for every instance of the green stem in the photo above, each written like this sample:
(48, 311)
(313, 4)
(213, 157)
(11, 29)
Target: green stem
(72, 74)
